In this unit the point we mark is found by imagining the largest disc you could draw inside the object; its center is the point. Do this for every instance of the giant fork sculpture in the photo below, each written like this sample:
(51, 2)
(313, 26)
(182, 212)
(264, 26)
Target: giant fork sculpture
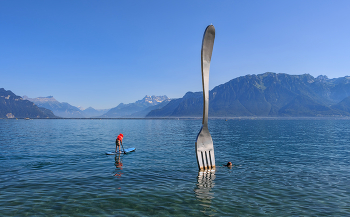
(204, 144)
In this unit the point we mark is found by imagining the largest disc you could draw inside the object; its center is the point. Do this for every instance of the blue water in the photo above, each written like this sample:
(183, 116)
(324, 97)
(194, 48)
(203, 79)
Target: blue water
(281, 168)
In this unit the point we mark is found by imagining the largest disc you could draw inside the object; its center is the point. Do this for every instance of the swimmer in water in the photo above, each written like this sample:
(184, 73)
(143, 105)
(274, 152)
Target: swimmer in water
(229, 164)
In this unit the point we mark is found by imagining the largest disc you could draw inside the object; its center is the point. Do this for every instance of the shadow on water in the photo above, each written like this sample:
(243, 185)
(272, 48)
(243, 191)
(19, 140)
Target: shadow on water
(205, 183)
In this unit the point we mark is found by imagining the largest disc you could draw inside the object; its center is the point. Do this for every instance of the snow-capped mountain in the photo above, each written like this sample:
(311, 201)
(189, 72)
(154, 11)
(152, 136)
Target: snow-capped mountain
(127, 110)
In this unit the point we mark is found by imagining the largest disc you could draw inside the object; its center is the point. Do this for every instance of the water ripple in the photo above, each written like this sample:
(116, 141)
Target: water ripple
(281, 168)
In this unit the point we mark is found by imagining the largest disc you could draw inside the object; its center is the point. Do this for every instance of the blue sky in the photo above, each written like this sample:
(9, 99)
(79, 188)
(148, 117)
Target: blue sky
(102, 53)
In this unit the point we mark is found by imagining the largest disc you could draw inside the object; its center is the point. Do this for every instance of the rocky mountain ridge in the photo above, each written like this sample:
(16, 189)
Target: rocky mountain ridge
(267, 95)
(13, 106)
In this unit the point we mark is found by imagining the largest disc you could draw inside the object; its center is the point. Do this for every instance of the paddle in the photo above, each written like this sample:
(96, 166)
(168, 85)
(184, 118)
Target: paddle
(123, 148)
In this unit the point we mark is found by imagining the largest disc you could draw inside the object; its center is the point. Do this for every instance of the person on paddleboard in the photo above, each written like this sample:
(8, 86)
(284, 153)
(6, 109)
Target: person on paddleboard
(118, 142)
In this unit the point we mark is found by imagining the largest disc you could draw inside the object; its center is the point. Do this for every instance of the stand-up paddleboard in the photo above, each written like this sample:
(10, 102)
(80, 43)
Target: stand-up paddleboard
(127, 150)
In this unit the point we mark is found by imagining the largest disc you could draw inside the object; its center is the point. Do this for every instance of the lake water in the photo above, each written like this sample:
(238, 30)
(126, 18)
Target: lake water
(281, 168)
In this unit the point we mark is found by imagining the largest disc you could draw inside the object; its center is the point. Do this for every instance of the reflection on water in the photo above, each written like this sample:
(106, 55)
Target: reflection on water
(119, 165)
(205, 182)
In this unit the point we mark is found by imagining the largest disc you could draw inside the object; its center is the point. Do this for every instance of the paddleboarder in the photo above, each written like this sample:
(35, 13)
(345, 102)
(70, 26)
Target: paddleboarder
(118, 142)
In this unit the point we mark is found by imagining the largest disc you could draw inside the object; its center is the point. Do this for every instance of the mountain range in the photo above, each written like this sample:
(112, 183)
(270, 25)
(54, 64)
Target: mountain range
(138, 109)
(13, 106)
(63, 109)
(263, 95)
(267, 95)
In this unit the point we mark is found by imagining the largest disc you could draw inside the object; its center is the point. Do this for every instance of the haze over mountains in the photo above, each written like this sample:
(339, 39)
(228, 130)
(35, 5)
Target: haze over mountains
(63, 109)
(139, 109)
(263, 95)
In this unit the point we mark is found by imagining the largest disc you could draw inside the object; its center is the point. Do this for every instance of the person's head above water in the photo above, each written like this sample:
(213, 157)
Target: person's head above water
(121, 135)
(229, 164)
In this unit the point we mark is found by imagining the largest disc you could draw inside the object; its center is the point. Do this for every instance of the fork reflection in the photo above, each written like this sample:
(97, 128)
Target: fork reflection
(205, 182)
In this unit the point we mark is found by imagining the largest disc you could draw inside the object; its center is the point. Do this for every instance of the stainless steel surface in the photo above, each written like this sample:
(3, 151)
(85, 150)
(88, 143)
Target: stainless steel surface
(204, 144)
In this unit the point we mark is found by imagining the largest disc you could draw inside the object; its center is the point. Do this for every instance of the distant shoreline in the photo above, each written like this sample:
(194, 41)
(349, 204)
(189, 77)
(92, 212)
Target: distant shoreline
(196, 118)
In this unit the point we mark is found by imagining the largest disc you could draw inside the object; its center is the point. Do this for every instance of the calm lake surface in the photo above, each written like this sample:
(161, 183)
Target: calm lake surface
(282, 168)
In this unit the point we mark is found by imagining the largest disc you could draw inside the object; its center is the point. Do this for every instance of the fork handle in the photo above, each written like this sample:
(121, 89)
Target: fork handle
(207, 50)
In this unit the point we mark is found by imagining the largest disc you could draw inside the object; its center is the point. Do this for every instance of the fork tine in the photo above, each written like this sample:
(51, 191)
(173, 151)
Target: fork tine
(212, 159)
(200, 160)
(205, 160)
(208, 159)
